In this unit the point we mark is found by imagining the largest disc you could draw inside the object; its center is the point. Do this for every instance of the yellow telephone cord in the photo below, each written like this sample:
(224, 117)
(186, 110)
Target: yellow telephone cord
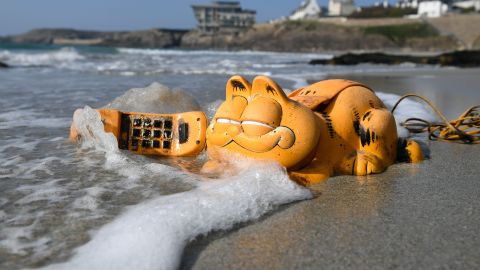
(465, 129)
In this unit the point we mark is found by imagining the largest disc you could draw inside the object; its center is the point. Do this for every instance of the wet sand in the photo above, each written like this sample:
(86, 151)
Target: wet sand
(413, 216)
(452, 90)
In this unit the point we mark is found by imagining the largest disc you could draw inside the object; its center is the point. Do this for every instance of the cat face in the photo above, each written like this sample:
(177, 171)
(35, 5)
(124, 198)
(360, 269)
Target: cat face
(260, 121)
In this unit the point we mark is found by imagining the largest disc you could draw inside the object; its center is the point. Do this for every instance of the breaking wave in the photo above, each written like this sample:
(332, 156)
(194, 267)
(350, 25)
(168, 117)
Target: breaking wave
(58, 58)
(151, 62)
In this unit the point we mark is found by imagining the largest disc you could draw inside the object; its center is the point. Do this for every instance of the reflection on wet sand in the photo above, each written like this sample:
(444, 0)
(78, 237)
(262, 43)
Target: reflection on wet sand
(341, 201)
(452, 90)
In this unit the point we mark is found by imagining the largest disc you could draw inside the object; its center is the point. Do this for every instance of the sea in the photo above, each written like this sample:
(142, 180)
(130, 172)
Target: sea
(89, 205)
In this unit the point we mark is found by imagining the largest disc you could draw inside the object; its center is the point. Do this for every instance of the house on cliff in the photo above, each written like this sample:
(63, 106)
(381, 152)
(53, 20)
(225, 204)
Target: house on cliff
(341, 7)
(309, 9)
(438, 8)
(407, 4)
(432, 9)
(467, 5)
(223, 17)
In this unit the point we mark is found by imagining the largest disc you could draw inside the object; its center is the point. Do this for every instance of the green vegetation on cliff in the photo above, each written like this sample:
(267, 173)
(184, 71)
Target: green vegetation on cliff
(306, 25)
(402, 32)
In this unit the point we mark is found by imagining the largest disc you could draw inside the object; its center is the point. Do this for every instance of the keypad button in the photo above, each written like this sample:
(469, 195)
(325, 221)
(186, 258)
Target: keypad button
(167, 144)
(157, 123)
(146, 143)
(137, 122)
(147, 122)
(167, 134)
(136, 132)
(168, 124)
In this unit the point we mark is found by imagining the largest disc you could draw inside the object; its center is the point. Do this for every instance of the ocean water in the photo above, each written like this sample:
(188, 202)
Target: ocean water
(92, 206)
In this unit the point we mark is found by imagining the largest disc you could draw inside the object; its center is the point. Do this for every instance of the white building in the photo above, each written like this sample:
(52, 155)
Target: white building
(383, 3)
(475, 4)
(407, 3)
(309, 9)
(223, 16)
(340, 7)
(432, 9)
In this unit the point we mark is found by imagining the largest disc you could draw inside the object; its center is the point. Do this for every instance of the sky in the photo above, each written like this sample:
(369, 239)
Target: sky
(19, 16)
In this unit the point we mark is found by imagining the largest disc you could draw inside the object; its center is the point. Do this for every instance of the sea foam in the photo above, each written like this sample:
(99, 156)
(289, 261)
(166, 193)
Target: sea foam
(407, 109)
(156, 98)
(61, 57)
(153, 234)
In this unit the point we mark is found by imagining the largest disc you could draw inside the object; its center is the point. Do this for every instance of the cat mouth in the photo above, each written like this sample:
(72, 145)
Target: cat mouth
(244, 122)
(228, 121)
(280, 136)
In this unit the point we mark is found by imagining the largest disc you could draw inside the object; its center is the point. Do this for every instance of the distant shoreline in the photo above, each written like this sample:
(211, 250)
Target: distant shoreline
(407, 36)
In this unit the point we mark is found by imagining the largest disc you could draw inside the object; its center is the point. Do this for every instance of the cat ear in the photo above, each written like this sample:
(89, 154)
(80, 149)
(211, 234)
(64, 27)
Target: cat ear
(264, 86)
(238, 86)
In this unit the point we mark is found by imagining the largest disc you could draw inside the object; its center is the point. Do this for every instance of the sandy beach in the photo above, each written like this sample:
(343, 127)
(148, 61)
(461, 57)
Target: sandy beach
(93, 206)
(103, 144)
(413, 216)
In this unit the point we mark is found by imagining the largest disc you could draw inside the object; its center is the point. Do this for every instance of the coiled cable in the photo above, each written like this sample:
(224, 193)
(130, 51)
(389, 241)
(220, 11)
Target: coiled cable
(465, 129)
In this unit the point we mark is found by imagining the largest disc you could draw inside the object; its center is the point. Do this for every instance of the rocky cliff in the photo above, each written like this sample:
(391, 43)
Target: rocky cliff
(324, 35)
(153, 38)
(314, 36)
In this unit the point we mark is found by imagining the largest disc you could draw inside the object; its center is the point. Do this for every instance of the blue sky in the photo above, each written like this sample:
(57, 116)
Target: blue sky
(17, 16)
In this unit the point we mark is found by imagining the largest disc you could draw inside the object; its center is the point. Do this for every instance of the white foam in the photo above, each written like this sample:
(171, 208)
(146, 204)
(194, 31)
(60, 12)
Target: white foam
(89, 126)
(168, 52)
(155, 98)
(153, 234)
(49, 190)
(90, 200)
(30, 118)
(61, 57)
(407, 109)
(20, 247)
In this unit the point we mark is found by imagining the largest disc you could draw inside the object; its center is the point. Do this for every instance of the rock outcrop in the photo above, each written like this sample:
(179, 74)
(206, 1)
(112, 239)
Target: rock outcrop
(153, 38)
(457, 59)
(3, 65)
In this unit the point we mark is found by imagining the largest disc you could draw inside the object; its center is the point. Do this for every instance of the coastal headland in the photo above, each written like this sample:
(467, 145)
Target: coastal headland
(448, 33)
